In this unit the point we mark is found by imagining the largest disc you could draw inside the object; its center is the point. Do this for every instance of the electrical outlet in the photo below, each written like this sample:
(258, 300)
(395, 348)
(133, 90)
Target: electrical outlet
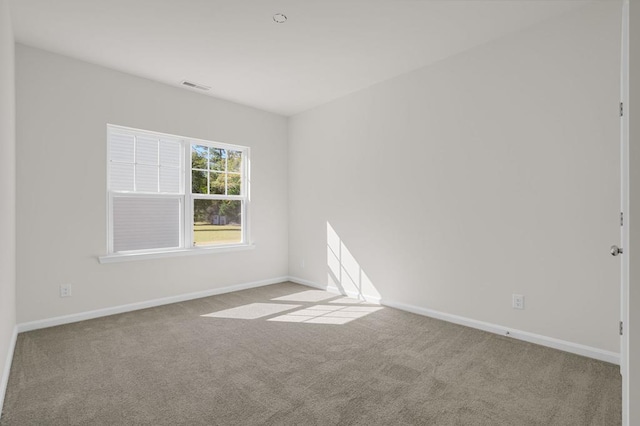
(65, 290)
(518, 301)
(302, 264)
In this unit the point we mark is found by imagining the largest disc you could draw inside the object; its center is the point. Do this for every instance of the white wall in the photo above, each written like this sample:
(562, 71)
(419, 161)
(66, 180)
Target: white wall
(7, 196)
(63, 106)
(493, 172)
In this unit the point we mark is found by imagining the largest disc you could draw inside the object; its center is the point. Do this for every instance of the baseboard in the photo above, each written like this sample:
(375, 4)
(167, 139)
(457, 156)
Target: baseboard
(67, 319)
(335, 290)
(550, 342)
(4, 380)
(563, 345)
(308, 283)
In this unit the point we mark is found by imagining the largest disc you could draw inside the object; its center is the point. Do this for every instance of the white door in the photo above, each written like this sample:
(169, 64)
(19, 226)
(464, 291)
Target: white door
(624, 208)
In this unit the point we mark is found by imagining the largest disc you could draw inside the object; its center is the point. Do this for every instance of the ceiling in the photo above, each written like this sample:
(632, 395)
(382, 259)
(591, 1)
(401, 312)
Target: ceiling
(325, 50)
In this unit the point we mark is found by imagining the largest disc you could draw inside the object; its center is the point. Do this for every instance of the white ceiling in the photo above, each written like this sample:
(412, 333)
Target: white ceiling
(325, 50)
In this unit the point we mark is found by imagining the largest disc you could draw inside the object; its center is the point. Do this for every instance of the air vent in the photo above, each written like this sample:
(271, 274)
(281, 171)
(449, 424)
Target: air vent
(195, 85)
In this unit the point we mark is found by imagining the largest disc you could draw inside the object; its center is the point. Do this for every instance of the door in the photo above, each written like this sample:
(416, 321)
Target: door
(624, 209)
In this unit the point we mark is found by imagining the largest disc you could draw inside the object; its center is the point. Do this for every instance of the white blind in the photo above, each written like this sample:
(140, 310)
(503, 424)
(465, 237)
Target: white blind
(144, 163)
(170, 162)
(145, 223)
(121, 162)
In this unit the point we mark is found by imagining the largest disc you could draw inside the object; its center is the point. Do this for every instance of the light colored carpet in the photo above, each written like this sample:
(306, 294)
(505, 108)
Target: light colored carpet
(303, 357)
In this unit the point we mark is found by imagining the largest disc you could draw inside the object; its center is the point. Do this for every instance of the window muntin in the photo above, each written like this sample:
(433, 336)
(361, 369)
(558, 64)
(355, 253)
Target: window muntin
(168, 192)
(144, 163)
(215, 170)
(217, 192)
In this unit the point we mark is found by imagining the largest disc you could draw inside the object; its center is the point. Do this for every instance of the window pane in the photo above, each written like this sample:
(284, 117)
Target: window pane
(170, 153)
(121, 178)
(234, 161)
(233, 184)
(199, 182)
(199, 157)
(146, 178)
(170, 179)
(216, 183)
(217, 222)
(121, 148)
(146, 150)
(217, 159)
(145, 223)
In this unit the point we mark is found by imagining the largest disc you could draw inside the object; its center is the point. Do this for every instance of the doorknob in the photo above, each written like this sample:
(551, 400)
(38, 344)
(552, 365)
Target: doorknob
(615, 250)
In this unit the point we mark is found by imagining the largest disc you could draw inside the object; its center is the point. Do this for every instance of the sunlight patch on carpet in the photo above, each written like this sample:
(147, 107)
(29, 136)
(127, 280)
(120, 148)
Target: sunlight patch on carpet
(252, 311)
(327, 314)
(307, 296)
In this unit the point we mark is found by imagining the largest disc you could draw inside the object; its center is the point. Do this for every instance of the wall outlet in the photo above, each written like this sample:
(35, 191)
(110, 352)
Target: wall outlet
(302, 264)
(65, 290)
(518, 301)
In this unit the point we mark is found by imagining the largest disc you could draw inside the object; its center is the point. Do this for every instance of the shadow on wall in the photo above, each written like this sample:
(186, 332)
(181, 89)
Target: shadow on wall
(345, 273)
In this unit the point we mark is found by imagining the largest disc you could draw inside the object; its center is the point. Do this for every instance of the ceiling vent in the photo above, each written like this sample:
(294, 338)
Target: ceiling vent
(195, 85)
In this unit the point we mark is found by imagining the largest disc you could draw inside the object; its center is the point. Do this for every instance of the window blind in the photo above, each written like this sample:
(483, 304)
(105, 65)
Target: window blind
(144, 163)
(145, 223)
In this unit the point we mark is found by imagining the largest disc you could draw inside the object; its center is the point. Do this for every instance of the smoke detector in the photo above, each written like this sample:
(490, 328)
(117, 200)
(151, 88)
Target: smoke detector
(280, 18)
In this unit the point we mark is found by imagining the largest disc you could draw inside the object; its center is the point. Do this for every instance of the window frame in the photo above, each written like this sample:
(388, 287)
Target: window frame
(243, 197)
(185, 196)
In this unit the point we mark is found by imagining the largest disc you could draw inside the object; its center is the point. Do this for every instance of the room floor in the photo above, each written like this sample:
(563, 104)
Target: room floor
(287, 355)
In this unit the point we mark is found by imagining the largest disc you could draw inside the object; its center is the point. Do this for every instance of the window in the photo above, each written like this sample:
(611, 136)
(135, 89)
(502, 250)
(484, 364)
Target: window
(169, 193)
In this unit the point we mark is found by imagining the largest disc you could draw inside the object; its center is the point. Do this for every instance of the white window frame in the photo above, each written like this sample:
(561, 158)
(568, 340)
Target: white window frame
(186, 198)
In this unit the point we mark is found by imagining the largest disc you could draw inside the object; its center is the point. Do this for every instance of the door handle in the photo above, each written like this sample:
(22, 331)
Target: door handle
(615, 250)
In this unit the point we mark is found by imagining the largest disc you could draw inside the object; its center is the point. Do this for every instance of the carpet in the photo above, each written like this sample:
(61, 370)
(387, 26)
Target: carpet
(288, 355)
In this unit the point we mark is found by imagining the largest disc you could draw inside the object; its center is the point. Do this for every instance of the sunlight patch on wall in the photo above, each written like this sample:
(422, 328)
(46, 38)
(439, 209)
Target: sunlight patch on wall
(344, 271)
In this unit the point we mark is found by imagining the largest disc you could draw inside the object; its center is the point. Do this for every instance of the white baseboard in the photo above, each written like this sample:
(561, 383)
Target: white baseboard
(550, 342)
(4, 379)
(67, 319)
(308, 283)
(336, 290)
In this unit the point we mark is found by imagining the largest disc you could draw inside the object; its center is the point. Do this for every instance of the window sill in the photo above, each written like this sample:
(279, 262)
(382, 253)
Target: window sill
(128, 257)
